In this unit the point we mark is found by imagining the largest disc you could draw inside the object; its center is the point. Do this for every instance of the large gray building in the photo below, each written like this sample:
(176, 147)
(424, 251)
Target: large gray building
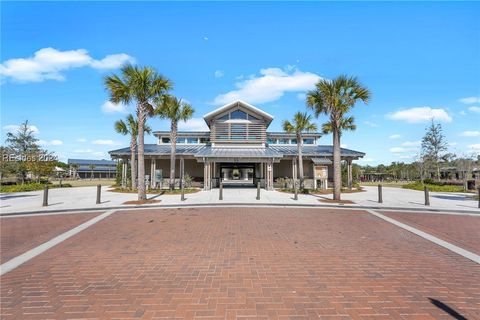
(239, 150)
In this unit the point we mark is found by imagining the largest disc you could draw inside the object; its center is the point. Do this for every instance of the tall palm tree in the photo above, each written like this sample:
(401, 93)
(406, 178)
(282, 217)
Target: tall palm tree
(130, 127)
(335, 98)
(140, 85)
(174, 109)
(301, 123)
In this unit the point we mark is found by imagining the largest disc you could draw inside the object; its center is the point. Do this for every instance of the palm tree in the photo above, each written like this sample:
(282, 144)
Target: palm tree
(174, 109)
(301, 123)
(141, 85)
(91, 167)
(130, 126)
(335, 98)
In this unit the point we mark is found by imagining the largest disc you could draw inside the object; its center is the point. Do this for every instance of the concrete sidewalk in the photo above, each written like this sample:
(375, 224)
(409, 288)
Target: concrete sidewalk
(85, 197)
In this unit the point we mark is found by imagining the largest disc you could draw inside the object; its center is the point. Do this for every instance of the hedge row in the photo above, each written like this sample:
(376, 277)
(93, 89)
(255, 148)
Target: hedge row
(30, 187)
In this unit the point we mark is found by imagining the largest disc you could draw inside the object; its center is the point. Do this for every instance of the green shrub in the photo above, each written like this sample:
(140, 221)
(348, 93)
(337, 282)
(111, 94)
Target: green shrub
(433, 187)
(30, 187)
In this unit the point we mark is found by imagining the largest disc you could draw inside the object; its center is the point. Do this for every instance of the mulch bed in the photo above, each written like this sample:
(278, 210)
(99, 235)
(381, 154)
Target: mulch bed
(148, 201)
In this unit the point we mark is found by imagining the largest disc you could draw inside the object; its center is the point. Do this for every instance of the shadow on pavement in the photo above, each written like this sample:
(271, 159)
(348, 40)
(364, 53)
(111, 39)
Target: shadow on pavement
(6, 197)
(452, 312)
(452, 197)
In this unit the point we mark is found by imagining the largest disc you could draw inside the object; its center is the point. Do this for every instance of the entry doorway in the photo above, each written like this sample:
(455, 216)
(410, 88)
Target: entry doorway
(241, 175)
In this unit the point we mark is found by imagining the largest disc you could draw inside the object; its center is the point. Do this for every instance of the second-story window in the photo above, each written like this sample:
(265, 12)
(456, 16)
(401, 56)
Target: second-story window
(165, 140)
(192, 140)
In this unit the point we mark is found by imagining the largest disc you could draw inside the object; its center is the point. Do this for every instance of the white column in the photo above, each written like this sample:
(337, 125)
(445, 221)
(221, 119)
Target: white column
(314, 178)
(124, 173)
(349, 173)
(153, 178)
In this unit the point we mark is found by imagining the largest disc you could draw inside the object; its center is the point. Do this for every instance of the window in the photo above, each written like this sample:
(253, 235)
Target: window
(238, 132)
(282, 141)
(192, 140)
(238, 114)
(180, 140)
(293, 141)
(225, 117)
(165, 140)
(204, 140)
(308, 141)
(250, 117)
(271, 141)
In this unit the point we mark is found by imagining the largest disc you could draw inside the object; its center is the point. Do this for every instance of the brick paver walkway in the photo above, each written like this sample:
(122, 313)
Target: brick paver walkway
(18, 235)
(462, 231)
(256, 263)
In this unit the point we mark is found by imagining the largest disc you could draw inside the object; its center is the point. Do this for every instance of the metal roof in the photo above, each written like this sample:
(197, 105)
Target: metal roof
(321, 161)
(86, 162)
(156, 149)
(273, 151)
(220, 152)
(312, 151)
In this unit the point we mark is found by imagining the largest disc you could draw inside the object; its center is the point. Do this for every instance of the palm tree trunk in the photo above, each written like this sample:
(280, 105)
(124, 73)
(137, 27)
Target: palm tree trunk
(141, 113)
(173, 143)
(337, 170)
(133, 166)
(300, 159)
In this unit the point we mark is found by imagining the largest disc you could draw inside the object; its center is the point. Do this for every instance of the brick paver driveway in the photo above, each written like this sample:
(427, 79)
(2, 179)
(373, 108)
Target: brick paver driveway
(228, 263)
(20, 234)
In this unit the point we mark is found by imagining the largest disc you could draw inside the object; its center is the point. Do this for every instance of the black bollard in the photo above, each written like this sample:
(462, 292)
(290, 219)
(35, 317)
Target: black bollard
(220, 194)
(258, 190)
(45, 196)
(427, 196)
(99, 191)
(380, 195)
(479, 197)
(295, 190)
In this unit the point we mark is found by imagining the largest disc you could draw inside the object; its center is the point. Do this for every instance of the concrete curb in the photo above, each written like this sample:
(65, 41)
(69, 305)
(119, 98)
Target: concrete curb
(253, 204)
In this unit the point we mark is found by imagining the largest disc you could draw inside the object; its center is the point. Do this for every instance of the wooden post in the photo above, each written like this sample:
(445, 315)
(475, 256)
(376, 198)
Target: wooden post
(45, 196)
(427, 196)
(220, 193)
(380, 195)
(99, 190)
(258, 190)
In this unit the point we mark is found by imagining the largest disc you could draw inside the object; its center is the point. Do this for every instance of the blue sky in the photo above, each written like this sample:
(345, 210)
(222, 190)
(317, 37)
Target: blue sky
(420, 60)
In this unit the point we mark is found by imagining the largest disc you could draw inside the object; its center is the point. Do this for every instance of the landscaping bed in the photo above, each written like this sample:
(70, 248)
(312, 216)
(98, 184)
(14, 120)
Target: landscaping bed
(434, 187)
(30, 187)
(156, 191)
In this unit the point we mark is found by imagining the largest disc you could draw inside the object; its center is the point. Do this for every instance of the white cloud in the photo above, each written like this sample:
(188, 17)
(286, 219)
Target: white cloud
(219, 74)
(474, 109)
(205, 38)
(105, 142)
(395, 136)
(54, 142)
(366, 159)
(370, 124)
(398, 150)
(83, 151)
(463, 113)
(474, 147)
(112, 61)
(406, 156)
(49, 63)
(420, 114)
(110, 107)
(271, 85)
(81, 140)
(343, 145)
(417, 143)
(470, 134)
(194, 124)
(470, 100)
(452, 144)
(14, 128)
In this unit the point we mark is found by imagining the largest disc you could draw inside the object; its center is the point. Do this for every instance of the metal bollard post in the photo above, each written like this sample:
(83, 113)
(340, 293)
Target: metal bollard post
(99, 190)
(258, 190)
(295, 197)
(427, 196)
(45, 196)
(380, 195)
(220, 194)
(182, 198)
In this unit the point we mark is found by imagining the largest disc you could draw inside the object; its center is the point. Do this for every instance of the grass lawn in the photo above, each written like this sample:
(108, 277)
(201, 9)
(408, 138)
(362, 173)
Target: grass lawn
(394, 184)
(433, 187)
